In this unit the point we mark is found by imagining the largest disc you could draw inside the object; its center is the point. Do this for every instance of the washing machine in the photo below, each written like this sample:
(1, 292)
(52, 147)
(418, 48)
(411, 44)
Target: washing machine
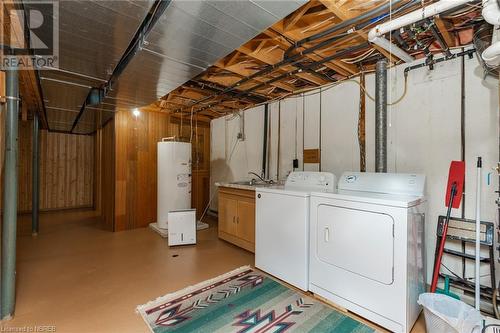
(367, 246)
(282, 226)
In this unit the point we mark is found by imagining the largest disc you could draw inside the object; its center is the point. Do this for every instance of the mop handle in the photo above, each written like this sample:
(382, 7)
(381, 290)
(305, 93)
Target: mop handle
(437, 264)
(477, 294)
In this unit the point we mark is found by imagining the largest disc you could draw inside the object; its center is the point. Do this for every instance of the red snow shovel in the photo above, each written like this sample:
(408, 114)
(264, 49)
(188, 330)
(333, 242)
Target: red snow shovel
(454, 191)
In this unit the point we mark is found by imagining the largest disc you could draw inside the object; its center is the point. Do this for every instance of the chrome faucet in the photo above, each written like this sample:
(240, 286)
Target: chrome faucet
(269, 181)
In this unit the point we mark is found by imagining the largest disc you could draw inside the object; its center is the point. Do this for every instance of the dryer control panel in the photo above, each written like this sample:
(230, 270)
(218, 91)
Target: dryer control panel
(389, 183)
(313, 181)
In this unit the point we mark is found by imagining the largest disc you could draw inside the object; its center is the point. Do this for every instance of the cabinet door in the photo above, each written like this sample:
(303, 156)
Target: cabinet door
(246, 220)
(228, 211)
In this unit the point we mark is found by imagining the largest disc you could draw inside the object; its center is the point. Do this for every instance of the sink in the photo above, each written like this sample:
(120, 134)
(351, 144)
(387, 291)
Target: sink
(251, 183)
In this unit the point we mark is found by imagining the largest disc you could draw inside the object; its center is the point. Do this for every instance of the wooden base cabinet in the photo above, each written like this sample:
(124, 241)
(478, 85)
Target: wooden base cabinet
(237, 217)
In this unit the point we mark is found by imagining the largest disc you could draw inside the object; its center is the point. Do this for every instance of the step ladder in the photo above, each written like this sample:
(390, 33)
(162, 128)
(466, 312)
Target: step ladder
(464, 231)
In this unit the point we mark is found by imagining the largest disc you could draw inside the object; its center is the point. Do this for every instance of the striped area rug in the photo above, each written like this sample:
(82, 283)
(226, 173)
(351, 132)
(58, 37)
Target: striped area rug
(244, 300)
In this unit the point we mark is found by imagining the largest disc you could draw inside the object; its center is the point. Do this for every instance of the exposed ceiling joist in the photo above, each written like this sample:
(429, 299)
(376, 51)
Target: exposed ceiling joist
(444, 28)
(344, 15)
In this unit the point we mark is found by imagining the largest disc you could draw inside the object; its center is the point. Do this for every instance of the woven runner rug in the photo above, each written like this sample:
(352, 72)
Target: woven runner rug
(244, 300)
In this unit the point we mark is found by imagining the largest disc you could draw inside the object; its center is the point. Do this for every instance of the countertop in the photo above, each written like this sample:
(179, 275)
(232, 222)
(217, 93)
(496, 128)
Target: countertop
(237, 186)
(246, 186)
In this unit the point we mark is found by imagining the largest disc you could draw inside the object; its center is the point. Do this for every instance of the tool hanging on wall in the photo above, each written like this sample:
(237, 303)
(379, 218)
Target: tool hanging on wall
(477, 292)
(454, 191)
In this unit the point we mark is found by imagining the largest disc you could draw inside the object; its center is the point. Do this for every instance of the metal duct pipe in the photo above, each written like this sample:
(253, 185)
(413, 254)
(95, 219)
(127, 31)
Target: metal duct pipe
(35, 167)
(381, 116)
(9, 226)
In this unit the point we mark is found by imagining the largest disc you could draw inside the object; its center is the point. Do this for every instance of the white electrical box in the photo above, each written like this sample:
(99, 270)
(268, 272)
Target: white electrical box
(182, 227)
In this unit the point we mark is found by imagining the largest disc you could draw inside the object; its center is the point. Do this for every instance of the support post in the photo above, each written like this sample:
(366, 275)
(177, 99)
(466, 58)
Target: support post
(381, 116)
(9, 227)
(35, 165)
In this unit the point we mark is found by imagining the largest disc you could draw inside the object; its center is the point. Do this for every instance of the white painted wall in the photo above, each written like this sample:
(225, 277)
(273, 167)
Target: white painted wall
(312, 116)
(232, 159)
(339, 128)
(423, 135)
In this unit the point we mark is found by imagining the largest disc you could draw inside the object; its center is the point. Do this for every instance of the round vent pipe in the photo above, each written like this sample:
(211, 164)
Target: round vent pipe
(491, 14)
(381, 116)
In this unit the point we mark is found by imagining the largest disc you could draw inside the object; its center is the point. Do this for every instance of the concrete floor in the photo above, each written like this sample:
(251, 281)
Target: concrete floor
(79, 278)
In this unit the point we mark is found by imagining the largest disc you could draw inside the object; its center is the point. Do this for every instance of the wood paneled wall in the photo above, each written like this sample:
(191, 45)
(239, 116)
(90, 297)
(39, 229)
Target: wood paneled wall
(66, 170)
(201, 167)
(104, 201)
(135, 172)
(136, 164)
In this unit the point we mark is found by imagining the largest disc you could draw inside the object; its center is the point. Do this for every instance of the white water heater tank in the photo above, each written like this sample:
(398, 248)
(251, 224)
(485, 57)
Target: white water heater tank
(174, 179)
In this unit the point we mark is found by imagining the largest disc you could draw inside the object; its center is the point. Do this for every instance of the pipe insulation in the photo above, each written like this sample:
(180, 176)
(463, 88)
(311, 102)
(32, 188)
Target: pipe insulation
(9, 226)
(376, 34)
(491, 14)
(381, 116)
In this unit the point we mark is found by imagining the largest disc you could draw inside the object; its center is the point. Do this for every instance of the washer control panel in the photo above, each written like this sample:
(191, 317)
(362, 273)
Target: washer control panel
(390, 183)
(314, 181)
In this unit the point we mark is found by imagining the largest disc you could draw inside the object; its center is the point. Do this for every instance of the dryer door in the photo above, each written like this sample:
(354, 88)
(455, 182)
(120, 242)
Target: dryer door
(358, 241)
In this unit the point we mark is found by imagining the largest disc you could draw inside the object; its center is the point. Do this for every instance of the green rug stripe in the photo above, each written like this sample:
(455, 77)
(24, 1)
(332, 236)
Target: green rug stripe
(249, 302)
(213, 306)
(276, 295)
(212, 319)
(240, 300)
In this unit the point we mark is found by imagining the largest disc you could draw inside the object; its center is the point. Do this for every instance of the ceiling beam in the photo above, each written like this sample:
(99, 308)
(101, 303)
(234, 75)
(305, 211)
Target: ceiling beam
(344, 15)
(444, 28)
(336, 65)
(245, 73)
(272, 57)
(293, 18)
